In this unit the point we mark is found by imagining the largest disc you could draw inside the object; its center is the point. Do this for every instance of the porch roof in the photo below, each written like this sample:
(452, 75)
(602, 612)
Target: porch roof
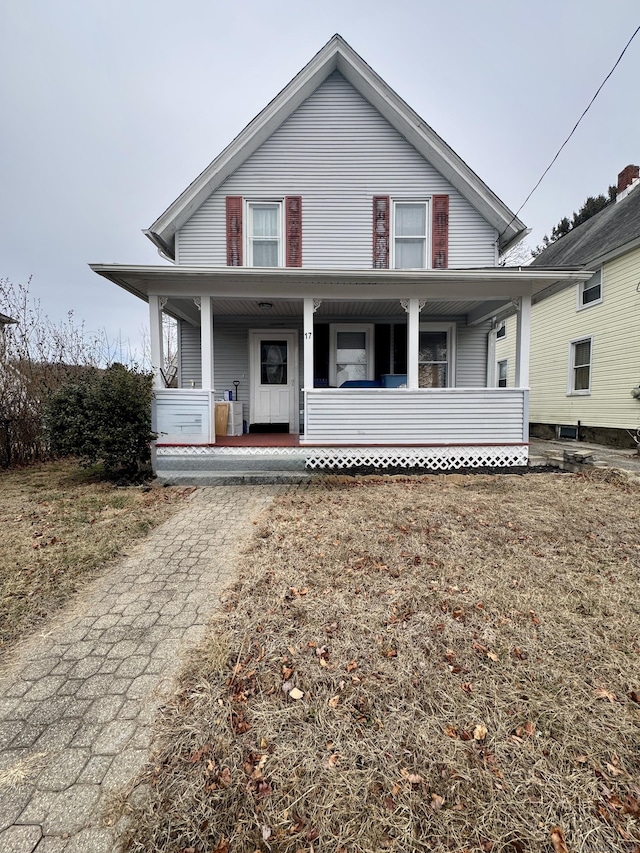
(498, 284)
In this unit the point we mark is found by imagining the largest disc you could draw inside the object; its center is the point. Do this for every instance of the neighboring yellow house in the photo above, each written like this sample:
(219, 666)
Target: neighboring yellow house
(585, 337)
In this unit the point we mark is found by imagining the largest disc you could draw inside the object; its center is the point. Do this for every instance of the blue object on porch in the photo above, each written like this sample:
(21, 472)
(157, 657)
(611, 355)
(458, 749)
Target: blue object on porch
(394, 380)
(361, 383)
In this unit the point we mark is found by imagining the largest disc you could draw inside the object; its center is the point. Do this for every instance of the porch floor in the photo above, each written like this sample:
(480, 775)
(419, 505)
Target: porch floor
(259, 439)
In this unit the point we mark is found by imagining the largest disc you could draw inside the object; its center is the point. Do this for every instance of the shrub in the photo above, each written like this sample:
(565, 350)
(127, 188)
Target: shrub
(104, 417)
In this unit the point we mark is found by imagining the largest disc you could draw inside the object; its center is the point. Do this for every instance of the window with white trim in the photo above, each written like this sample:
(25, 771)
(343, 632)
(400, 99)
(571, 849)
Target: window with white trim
(436, 356)
(590, 291)
(501, 373)
(351, 357)
(501, 331)
(410, 230)
(580, 354)
(264, 234)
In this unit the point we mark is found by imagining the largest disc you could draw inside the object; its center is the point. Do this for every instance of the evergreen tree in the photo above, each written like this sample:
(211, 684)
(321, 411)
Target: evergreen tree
(593, 205)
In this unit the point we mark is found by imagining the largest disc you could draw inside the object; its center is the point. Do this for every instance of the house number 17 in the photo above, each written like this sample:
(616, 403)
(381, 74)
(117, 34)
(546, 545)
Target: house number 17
(308, 335)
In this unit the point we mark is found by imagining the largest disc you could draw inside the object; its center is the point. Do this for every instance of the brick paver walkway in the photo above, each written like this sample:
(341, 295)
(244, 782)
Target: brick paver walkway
(78, 699)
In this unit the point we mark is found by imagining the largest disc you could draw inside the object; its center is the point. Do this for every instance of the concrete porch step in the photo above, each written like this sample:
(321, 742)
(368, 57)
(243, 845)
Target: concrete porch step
(232, 478)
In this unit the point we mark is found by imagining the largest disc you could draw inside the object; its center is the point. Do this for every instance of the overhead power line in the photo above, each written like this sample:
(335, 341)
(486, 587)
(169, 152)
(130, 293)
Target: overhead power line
(575, 127)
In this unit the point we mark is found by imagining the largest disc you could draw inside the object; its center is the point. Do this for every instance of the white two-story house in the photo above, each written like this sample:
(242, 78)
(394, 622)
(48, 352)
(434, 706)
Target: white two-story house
(336, 269)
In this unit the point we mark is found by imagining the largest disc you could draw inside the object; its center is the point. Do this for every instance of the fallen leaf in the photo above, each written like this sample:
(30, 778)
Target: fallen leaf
(332, 760)
(352, 666)
(451, 731)
(480, 732)
(603, 693)
(266, 832)
(634, 695)
(296, 693)
(492, 656)
(436, 802)
(557, 839)
(333, 703)
(614, 771)
(414, 779)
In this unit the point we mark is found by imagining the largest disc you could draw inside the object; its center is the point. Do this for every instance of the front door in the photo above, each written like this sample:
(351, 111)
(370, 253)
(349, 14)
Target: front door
(274, 377)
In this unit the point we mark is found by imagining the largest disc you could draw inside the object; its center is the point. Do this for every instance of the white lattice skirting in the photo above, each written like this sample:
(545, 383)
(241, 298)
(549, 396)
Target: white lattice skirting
(434, 458)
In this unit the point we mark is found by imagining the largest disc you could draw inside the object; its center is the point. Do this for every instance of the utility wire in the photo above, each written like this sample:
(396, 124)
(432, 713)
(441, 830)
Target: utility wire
(575, 127)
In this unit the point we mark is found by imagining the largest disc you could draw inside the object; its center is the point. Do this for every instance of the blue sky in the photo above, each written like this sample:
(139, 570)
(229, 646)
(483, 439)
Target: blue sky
(110, 109)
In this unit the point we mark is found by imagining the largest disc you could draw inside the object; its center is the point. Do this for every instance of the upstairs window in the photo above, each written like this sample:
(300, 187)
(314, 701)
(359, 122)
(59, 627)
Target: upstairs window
(502, 330)
(590, 291)
(264, 234)
(580, 366)
(410, 230)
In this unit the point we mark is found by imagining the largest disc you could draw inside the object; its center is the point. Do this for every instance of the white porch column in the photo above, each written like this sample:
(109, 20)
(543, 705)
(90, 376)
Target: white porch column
(206, 333)
(523, 337)
(156, 304)
(307, 342)
(206, 351)
(413, 308)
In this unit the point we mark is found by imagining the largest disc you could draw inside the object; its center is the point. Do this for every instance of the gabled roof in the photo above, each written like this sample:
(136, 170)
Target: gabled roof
(5, 320)
(338, 55)
(611, 232)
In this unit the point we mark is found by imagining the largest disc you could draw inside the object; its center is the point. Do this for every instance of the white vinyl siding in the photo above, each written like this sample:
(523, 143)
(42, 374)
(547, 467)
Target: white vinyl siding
(471, 355)
(336, 151)
(616, 355)
(439, 416)
(189, 357)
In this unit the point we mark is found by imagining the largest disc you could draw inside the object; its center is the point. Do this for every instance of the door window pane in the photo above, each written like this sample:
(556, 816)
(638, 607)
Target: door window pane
(273, 362)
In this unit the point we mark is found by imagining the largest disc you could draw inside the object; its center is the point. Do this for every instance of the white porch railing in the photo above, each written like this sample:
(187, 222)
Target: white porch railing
(428, 416)
(182, 416)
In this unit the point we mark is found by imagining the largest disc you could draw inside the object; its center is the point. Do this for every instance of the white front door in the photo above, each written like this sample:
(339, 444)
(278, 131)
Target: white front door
(274, 377)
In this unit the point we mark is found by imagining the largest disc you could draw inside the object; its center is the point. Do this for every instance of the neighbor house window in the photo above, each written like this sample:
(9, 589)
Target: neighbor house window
(264, 234)
(351, 353)
(590, 291)
(502, 373)
(502, 330)
(410, 230)
(580, 366)
(435, 356)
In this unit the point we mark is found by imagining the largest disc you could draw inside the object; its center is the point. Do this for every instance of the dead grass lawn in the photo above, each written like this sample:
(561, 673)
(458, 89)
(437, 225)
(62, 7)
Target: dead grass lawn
(59, 522)
(468, 653)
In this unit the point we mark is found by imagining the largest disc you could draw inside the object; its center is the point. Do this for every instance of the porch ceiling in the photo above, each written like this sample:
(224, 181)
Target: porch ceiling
(277, 308)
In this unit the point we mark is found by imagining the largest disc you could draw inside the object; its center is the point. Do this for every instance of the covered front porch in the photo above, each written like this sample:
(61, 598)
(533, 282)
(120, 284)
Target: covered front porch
(374, 367)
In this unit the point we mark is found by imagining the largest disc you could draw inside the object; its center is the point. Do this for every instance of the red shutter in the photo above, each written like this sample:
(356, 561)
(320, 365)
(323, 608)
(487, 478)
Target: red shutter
(440, 233)
(234, 231)
(293, 208)
(381, 207)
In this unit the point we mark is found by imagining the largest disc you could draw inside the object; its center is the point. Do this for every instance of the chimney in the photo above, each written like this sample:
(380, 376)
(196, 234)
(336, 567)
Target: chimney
(627, 176)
